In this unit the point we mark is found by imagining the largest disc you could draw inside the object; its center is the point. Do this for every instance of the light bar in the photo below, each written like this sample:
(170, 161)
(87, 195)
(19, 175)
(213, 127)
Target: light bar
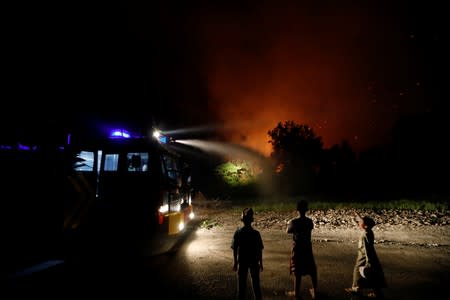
(119, 133)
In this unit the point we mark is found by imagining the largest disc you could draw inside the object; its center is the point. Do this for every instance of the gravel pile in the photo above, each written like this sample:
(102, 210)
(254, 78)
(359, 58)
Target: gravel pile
(345, 218)
(417, 227)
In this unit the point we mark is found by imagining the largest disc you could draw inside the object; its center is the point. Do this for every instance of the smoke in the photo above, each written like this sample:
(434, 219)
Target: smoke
(348, 69)
(315, 65)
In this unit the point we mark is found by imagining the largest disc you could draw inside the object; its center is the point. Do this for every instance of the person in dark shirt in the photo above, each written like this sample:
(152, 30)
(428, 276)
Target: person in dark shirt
(247, 248)
(302, 259)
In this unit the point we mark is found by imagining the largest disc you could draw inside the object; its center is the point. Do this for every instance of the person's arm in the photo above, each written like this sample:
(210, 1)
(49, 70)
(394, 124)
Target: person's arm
(367, 253)
(260, 256)
(235, 260)
(290, 228)
(261, 267)
(234, 246)
(357, 217)
(371, 254)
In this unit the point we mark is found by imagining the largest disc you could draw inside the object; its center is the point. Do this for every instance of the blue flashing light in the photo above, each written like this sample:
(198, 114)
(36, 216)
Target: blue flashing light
(20, 147)
(23, 147)
(119, 133)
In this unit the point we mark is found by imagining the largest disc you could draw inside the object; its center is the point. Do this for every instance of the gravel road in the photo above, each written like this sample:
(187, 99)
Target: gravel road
(414, 248)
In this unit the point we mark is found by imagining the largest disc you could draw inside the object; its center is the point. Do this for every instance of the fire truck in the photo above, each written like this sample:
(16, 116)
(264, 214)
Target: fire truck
(88, 194)
(129, 181)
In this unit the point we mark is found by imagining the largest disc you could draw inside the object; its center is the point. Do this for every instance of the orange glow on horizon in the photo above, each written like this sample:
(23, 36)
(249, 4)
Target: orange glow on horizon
(273, 63)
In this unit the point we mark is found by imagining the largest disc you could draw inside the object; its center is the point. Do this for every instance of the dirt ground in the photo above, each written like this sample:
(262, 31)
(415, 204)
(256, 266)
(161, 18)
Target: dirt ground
(416, 260)
(413, 247)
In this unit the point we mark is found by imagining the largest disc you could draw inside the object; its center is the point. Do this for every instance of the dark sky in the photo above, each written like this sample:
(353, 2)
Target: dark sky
(349, 69)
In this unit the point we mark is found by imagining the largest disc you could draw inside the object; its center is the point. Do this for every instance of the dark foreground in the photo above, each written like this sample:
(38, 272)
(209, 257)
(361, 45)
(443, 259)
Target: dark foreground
(198, 265)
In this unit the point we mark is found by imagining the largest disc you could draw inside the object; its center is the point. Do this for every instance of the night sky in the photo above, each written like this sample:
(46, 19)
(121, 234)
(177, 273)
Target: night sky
(349, 69)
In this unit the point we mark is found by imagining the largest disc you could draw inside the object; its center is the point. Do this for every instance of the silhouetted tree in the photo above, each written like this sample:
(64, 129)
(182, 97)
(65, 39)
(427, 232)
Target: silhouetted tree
(296, 150)
(421, 154)
(374, 178)
(338, 170)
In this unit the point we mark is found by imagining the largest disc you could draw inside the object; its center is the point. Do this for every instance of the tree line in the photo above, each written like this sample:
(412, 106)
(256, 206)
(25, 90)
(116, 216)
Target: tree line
(415, 163)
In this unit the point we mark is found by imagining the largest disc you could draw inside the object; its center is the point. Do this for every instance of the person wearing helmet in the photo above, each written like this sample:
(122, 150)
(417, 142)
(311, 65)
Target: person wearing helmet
(247, 248)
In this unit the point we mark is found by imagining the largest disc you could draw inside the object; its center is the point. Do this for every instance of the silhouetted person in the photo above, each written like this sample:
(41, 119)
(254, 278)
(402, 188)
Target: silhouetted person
(367, 272)
(302, 258)
(247, 248)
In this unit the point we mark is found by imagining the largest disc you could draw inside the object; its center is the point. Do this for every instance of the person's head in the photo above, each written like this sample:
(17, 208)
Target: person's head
(247, 215)
(366, 223)
(302, 206)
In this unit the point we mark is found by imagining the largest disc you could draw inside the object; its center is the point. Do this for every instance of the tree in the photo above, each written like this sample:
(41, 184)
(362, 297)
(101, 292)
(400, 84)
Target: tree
(337, 169)
(296, 150)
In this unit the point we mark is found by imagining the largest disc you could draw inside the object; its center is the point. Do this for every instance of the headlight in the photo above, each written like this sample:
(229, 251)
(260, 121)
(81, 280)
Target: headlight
(164, 208)
(181, 226)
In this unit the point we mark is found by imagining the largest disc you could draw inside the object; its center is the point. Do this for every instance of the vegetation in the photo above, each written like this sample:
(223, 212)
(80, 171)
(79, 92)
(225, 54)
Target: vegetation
(296, 151)
(413, 165)
(237, 173)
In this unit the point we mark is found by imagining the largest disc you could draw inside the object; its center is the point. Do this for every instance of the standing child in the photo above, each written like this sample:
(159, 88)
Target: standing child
(247, 248)
(302, 259)
(367, 272)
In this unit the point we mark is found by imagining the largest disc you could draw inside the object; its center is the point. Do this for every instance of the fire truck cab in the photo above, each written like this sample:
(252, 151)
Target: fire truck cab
(132, 182)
